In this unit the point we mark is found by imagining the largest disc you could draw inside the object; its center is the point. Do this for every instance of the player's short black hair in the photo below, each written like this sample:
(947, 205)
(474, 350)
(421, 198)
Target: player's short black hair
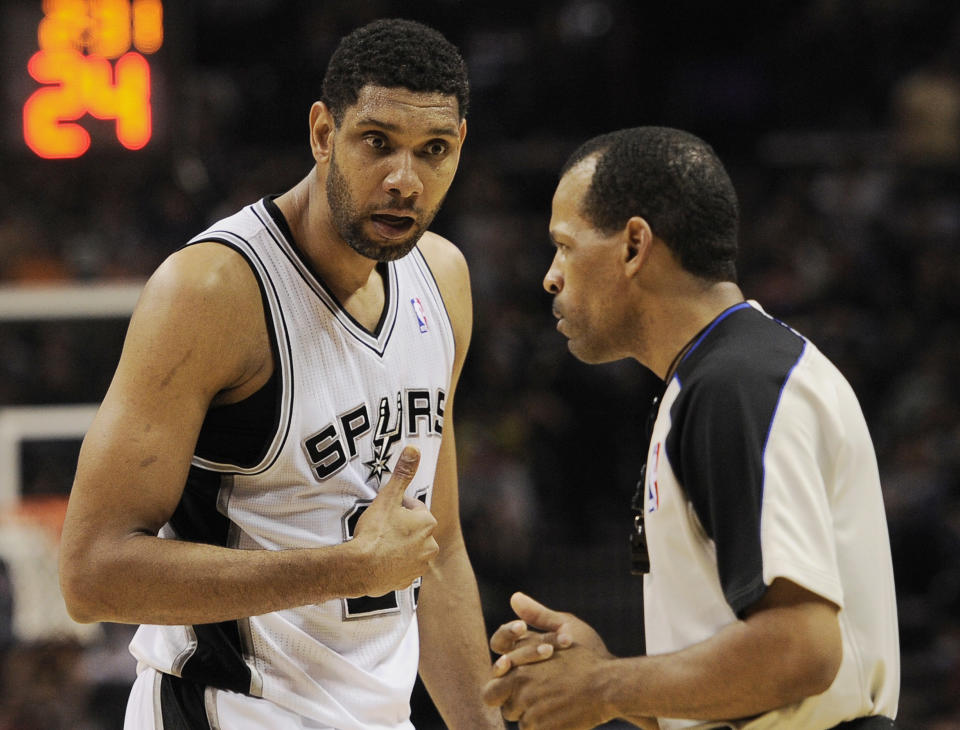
(674, 181)
(394, 53)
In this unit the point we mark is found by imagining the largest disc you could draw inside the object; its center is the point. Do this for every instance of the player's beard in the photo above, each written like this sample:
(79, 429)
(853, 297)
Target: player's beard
(349, 221)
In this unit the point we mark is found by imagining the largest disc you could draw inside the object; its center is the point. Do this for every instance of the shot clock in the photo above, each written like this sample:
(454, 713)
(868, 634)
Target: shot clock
(91, 60)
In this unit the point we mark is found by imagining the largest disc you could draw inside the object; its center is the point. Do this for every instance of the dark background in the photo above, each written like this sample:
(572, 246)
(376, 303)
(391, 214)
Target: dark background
(839, 122)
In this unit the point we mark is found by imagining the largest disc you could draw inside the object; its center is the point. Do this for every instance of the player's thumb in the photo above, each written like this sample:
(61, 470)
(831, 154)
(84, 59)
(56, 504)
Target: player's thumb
(403, 472)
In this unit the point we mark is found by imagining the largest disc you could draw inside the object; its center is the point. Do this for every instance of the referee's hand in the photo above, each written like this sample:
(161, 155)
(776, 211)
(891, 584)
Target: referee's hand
(518, 644)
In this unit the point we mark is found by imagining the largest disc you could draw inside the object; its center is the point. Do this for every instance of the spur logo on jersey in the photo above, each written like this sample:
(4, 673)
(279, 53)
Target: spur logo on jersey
(421, 315)
(409, 413)
(385, 436)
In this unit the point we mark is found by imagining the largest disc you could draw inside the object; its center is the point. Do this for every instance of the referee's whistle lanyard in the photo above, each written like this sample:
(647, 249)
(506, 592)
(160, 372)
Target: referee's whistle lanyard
(639, 554)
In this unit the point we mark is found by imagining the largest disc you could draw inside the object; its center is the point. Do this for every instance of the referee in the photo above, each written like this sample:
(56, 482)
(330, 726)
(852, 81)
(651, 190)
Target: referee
(769, 596)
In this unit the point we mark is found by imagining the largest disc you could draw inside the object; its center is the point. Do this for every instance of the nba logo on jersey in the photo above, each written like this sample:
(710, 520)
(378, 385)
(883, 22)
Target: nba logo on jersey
(653, 487)
(421, 315)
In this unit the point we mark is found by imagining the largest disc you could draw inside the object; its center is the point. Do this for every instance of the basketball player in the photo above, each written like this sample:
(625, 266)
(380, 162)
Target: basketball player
(769, 601)
(270, 486)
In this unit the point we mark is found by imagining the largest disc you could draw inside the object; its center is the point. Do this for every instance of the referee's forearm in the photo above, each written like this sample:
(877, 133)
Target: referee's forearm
(776, 657)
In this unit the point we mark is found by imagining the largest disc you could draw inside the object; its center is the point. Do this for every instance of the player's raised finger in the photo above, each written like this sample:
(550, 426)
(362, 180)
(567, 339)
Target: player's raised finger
(403, 472)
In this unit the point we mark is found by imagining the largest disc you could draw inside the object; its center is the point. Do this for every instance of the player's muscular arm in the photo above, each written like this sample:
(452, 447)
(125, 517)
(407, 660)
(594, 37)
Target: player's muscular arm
(454, 658)
(197, 336)
(450, 269)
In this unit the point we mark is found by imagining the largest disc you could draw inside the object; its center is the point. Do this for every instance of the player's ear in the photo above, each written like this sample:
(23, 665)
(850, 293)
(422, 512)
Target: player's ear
(637, 242)
(322, 126)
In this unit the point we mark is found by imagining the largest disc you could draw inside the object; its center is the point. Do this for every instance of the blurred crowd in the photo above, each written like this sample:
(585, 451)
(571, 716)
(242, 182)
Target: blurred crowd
(841, 130)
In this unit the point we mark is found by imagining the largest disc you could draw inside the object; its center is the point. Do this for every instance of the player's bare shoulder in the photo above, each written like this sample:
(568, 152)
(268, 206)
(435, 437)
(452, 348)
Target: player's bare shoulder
(449, 267)
(204, 269)
(205, 297)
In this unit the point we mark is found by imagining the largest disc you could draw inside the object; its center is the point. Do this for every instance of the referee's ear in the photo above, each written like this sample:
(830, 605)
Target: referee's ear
(637, 243)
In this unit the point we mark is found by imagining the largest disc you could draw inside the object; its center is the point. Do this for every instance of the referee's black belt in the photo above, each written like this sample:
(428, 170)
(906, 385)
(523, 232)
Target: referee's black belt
(874, 722)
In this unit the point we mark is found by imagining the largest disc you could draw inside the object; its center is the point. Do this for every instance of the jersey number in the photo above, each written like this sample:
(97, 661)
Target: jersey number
(367, 606)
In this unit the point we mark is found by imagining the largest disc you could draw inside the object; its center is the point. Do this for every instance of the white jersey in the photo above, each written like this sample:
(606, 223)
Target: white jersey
(295, 465)
(760, 466)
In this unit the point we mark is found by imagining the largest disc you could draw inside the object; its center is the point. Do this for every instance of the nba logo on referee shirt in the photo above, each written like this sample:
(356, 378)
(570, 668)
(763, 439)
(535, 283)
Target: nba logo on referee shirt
(421, 315)
(653, 486)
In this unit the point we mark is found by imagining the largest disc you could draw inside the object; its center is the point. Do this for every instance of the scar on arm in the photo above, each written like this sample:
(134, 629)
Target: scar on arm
(173, 371)
(148, 461)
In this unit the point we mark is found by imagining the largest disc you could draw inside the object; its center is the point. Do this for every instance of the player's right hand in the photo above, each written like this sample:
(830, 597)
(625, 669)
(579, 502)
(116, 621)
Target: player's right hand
(395, 533)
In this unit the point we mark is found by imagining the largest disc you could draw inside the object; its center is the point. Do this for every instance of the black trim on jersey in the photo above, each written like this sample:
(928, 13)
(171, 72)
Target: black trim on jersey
(241, 433)
(386, 270)
(218, 658)
(731, 382)
(232, 444)
(182, 704)
(196, 518)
